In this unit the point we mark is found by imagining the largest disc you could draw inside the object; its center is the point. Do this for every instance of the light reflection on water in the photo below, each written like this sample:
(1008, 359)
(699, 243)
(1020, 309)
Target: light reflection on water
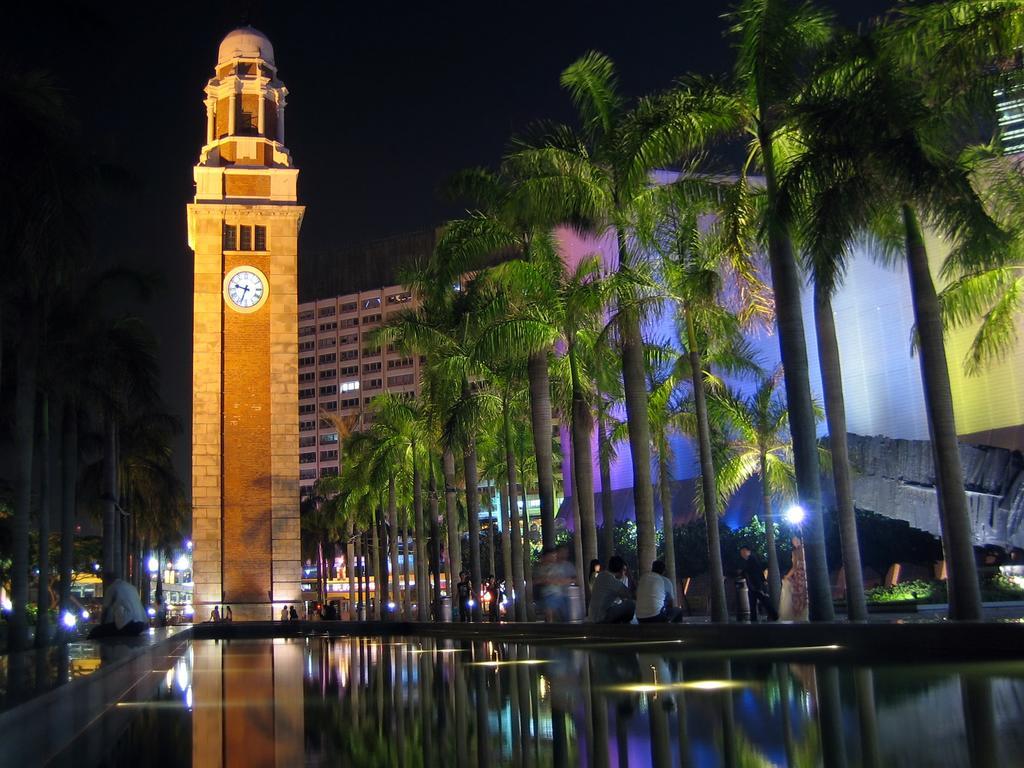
(367, 701)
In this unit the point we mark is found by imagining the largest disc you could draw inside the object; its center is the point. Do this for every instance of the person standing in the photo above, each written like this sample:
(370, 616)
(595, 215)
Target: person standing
(752, 570)
(610, 602)
(293, 615)
(793, 605)
(464, 590)
(656, 597)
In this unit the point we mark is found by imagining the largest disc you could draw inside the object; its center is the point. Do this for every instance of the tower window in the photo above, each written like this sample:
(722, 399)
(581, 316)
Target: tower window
(245, 238)
(261, 238)
(230, 237)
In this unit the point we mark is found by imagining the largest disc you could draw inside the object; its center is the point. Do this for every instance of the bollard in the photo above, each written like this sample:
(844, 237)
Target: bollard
(742, 600)
(446, 610)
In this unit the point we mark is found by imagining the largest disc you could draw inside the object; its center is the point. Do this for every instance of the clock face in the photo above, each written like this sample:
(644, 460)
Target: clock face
(245, 288)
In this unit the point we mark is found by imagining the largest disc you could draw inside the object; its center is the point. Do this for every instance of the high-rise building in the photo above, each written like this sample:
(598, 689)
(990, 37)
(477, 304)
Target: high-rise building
(243, 228)
(341, 370)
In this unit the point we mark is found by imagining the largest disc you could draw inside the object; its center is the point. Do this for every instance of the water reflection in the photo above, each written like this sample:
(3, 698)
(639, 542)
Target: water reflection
(410, 702)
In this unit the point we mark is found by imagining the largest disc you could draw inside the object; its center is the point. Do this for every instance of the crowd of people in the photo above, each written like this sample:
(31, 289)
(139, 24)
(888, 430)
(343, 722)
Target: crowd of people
(616, 597)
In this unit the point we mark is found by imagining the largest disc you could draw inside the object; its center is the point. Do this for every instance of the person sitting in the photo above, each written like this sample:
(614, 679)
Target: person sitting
(215, 614)
(122, 614)
(656, 597)
(610, 601)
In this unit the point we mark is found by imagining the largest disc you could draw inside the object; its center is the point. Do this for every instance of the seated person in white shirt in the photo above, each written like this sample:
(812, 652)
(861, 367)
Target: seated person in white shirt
(123, 614)
(656, 597)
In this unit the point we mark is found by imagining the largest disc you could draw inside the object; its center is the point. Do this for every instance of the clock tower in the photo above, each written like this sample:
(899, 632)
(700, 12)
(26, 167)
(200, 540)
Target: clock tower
(244, 228)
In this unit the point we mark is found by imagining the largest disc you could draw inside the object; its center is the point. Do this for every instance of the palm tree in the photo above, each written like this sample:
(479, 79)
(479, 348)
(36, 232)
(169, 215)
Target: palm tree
(42, 238)
(776, 40)
(989, 293)
(759, 445)
(712, 279)
(888, 126)
(443, 329)
(538, 298)
(499, 226)
(599, 175)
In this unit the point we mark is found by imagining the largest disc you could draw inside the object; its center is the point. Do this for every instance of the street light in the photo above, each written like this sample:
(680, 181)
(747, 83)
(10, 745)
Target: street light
(154, 566)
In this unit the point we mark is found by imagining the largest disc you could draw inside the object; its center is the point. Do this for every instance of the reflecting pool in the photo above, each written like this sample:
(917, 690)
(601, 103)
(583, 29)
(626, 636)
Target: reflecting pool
(413, 701)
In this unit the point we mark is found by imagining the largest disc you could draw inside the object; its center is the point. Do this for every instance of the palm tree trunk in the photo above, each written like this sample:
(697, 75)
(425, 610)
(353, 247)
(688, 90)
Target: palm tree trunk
(407, 574)
(520, 596)
(719, 610)
(451, 511)
(350, 568)
(379, 583)
(473, 513)
(422, 600)
(835, 414)
(109, 495)
(490, 538)
(435, 541)
(527, 556)
(393, 536)
(634, 384)
(802, 423)
(667, 523)
(774, 574)
(361, 573)
(605, 466)
(506, 541)
(957, 536)
(583, 468)
(540, 418)
(24, 440)
(45, 495)
(69, 477)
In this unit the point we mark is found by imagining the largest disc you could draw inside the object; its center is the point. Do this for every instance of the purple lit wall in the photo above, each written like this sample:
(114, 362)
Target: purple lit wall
(881, 376)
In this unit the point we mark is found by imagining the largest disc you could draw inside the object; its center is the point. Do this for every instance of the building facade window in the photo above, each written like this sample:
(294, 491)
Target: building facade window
(402, 380)
(259, 238)
(329, 391)
(325, 312)
(349, 386)
(230, 238)
(328, 358)
(306, 361)
(328, 373)
(305, 394)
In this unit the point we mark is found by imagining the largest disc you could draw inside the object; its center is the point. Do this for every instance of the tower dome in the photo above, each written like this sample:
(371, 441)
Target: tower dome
(245, 43)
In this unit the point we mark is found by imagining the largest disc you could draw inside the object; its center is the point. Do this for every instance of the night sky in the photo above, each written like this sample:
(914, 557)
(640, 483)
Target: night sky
(385, 101)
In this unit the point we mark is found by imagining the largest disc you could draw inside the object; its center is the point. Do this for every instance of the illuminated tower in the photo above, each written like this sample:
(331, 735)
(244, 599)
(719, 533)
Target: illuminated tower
(243, 228)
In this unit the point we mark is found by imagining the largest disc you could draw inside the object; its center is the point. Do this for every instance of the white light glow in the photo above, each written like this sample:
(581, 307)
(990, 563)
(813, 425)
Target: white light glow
(69, 619)
(795, 515)
(153, 565)
(181, 564)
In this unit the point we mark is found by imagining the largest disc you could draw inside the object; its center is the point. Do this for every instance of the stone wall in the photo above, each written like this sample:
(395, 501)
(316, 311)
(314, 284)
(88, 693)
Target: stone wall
(897, 478)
